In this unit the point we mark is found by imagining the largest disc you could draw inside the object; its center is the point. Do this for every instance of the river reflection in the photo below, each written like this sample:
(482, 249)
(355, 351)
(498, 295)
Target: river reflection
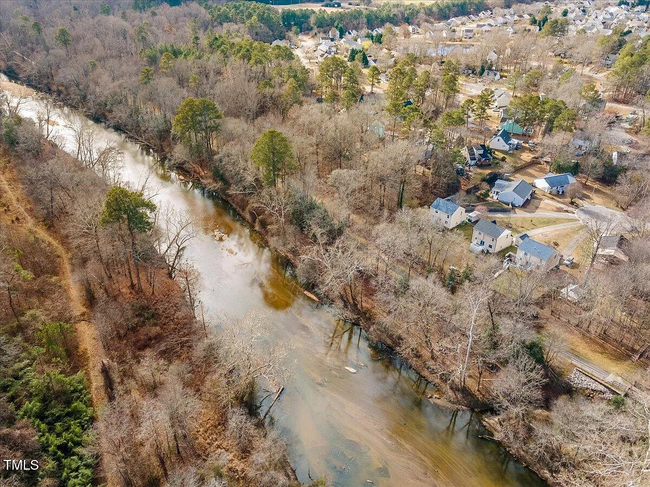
(369, 422)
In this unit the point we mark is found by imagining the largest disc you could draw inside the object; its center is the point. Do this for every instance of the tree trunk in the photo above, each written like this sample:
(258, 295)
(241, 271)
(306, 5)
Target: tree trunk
(135, 261)
(11, 304)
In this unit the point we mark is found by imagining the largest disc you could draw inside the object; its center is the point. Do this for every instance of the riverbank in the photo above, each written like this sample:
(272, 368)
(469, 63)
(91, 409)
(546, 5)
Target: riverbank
(133, 343)
(241, 205)
(444, 397)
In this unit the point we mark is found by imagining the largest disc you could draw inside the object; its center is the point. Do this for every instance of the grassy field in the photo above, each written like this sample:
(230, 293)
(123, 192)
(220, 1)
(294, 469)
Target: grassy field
(520, 225)
(561, 237)
(466, 229)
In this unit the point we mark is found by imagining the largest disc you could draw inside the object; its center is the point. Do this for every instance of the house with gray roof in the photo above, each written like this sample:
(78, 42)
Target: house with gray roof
(446, 213)
(612, 249)
(490, 237)
(515, 193)
(555, 183)
(534, 255)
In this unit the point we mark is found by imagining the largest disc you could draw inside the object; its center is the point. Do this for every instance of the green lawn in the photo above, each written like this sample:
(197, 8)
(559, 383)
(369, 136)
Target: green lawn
(466, 229)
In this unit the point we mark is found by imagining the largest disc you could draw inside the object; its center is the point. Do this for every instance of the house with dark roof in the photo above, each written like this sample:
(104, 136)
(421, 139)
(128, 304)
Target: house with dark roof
(555, 183)
(503, 142)
(534, 255)
(446, 213)
(514, 193)
(477, 155)
(489, 237)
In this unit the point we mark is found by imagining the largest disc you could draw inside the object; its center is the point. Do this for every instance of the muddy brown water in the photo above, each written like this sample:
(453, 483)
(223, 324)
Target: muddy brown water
(372, 427)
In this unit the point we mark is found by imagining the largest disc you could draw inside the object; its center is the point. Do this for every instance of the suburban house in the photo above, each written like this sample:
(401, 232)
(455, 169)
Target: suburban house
(490, 237)
(608, 60)
(580, 145)
(534, 255)
(477, 155)
(611, 249)
(501, 99)
(581, 142)
(467, 32)
(555, 183)
(491, 75)
(446, 213)
(503, 142)
(515, 193)
(512, 127)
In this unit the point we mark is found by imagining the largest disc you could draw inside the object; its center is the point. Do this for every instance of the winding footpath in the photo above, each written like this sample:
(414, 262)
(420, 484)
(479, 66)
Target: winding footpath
(89, 343)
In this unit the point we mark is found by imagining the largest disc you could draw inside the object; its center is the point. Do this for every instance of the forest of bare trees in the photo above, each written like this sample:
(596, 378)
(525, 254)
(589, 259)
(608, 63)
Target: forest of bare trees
(175, 406)
(342, 201)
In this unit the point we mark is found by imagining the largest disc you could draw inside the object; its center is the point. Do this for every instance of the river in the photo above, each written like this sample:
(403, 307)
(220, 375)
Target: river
(373, 426)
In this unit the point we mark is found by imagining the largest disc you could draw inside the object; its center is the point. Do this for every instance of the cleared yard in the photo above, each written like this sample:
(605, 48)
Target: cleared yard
(521, 225)
(466, 230)
(559, 239)
(574, 340)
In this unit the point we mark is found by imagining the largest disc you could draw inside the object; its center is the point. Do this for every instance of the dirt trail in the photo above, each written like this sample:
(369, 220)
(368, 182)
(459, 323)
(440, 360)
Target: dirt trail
(89, 342)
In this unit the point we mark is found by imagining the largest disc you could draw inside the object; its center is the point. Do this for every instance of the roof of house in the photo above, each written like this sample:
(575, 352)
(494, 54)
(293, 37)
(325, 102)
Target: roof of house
(557, 180)
(611, 241)
(520, 187)
(613, 246)
(489, 228)
(482, 151)
(509, 125)
(478, 152)
(445, 206)
(536, 249)
(504, 135)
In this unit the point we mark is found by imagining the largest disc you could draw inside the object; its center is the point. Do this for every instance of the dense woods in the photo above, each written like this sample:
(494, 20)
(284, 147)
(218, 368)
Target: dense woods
(335, 185)
(173, 404)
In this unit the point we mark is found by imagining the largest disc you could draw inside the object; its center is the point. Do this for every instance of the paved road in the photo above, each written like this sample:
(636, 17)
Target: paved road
(607, 219)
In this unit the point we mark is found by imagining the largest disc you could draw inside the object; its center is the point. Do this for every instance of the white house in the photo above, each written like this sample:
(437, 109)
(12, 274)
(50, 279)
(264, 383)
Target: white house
(534, 255)
(501, 99)
(555, 183)
(446, 213)
(352, 44)
(515, 193)
(490, 237)
(477, 155)
(491, 75)
(503, 142)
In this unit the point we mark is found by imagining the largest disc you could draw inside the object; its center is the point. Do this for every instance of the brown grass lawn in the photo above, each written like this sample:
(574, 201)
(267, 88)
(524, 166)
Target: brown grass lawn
(560, 237)
(590, 348)
(520, 225)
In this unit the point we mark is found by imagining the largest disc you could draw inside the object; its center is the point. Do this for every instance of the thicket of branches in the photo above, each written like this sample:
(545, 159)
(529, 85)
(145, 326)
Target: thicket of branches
(334, 191)
(178, 413)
